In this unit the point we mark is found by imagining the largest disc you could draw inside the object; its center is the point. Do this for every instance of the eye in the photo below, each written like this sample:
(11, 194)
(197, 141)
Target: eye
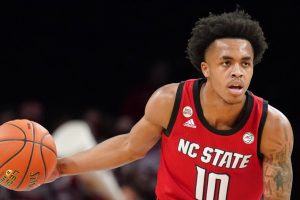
(246, 64)
(226, 63)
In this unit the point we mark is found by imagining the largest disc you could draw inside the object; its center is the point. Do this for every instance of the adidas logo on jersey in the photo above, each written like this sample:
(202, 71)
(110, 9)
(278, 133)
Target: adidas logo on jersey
(190, 123)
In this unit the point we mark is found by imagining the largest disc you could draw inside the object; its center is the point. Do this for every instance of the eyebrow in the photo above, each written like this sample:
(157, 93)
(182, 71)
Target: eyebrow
(230, 58)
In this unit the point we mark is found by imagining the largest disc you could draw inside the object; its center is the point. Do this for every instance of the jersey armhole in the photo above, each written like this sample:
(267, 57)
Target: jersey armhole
(175, 109)
(261, 127)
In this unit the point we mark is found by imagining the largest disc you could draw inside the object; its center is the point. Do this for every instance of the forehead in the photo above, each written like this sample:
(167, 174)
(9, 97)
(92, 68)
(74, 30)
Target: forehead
(230, 47)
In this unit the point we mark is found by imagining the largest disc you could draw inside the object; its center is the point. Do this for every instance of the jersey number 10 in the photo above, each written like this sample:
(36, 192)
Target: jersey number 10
(210, 185)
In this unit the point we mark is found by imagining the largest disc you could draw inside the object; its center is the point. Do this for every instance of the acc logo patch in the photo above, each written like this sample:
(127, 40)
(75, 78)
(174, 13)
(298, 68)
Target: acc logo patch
(248, 138)
(187, 111)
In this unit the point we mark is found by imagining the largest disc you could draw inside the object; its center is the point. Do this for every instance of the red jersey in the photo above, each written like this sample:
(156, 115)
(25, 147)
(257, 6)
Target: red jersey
(203, 163)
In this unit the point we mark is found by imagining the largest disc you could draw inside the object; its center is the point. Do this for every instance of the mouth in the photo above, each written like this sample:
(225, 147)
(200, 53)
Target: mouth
(236, 89)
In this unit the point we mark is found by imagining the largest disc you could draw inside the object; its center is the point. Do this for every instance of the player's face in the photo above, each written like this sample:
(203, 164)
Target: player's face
(228, 68)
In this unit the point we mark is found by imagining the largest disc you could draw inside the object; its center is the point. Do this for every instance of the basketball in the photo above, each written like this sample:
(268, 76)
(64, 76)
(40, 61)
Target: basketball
(27, 155)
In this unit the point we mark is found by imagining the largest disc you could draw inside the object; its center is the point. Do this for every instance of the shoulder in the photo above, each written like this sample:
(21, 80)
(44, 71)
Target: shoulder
(165, 93)
(276, 120)
(277, 133)
(159, 106)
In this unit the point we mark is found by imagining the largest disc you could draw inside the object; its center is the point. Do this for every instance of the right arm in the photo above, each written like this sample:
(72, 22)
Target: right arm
(125, 148)
(277, 145)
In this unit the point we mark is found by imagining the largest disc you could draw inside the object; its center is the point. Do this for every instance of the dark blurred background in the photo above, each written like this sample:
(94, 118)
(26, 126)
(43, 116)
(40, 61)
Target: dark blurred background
(63, 59)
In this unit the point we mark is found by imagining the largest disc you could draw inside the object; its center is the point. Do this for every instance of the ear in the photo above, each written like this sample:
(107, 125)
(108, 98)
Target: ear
(205, 69)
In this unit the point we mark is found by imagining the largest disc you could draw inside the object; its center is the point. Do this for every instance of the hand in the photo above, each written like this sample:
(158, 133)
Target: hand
(55, 175)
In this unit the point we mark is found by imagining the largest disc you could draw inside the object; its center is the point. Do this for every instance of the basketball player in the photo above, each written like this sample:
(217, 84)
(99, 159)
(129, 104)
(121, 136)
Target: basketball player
(219, 140)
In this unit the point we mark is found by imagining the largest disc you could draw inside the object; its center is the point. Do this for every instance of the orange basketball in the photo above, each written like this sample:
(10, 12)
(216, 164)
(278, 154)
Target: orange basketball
(27, 155)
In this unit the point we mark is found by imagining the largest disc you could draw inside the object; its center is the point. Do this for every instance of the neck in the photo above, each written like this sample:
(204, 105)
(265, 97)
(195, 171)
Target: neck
(218, 113)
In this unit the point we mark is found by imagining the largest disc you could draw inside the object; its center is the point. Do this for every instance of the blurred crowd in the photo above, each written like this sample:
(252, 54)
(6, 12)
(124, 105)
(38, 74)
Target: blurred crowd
(135, 181)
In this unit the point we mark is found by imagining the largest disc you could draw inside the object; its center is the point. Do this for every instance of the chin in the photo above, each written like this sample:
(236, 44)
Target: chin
(234, 100)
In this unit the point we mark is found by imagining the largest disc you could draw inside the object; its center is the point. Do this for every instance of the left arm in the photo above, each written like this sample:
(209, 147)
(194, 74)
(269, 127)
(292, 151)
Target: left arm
(277, 145)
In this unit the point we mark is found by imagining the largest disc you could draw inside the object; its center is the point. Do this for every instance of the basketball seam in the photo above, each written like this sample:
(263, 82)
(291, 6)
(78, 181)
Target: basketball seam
(41, 150)
(30, 158)
(25, 140)
(8, 140)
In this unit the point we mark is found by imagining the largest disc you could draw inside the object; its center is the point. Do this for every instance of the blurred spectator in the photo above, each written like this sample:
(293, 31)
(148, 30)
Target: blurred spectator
(74, 136)
(130, 192)
(95, 119)
(123, 124)
(4, 194)
(31, 109)
(63, 189)
(137, 179)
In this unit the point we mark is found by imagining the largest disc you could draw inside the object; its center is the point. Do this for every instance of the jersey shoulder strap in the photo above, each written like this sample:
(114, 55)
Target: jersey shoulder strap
(175, 109)
(176, 105)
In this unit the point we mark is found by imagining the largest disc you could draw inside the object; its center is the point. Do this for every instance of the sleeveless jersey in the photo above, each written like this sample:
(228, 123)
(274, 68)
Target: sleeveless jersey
(203, 163)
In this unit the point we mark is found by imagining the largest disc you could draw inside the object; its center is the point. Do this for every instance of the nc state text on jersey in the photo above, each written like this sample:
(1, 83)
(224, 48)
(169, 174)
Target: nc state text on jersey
(214, 156)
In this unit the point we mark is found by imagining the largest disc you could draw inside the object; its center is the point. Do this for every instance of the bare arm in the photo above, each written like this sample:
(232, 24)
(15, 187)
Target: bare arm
(125, 148)
(277, 146)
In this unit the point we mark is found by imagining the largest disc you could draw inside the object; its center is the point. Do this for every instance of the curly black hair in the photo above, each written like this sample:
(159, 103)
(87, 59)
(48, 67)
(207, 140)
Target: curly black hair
(236, 24)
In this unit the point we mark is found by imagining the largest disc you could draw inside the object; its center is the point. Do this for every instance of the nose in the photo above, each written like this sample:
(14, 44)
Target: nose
(236, 71)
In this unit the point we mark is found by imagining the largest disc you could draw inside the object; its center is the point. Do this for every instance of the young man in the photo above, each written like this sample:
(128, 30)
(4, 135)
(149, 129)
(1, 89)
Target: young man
(219, 140)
